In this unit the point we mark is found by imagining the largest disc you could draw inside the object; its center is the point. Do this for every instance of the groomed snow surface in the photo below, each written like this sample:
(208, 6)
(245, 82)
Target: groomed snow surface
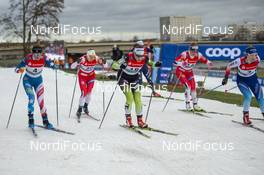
(204, 145)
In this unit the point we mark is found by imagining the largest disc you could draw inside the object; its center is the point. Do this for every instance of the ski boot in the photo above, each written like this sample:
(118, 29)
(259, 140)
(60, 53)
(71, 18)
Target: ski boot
(246, 119)
(30, 120)
(46, 122)
(85, 109)
(188, 106)
(197, 108)
(140, 122)
(79, 112)
(129, 121)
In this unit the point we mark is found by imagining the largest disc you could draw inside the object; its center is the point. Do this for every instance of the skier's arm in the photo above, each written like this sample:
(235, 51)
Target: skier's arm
(75, 65)
(179, 60)
(230, 65)
(204, 60)
(20, 66)
(51, 64)
(145, 72)
(123, 62)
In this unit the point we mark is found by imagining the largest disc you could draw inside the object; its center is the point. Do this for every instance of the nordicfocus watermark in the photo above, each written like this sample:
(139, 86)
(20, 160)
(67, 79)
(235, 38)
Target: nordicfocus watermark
(132, 86)
(197, 145)
(62, 29)
(193, 29)
(66, 145)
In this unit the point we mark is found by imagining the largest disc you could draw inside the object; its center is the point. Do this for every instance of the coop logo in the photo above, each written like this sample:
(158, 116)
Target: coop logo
(223, 52)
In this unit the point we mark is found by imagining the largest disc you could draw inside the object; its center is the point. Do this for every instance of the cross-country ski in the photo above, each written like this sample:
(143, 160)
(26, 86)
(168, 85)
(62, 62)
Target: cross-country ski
(56, 130)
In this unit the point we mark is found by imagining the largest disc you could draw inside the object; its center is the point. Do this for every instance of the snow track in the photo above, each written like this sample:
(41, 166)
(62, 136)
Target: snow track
(114, 150)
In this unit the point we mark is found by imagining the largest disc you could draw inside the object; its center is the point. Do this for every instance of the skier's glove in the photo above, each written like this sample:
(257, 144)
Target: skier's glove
(19, 70)
(56, 61)
(225, 80)
(158, 64)
(56, 64)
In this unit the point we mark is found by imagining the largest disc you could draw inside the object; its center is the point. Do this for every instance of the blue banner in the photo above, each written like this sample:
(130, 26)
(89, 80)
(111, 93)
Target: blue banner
(156, 57)
(213, 52)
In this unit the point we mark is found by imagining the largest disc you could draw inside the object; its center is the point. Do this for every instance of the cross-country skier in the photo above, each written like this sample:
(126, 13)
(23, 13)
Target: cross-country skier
(247, 80)
(33, 83)
(145, 70)
(185, 63)
(86, 77)
(129, 83)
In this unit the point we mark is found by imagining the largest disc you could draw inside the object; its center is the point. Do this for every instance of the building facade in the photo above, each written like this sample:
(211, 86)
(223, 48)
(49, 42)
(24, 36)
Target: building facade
(180, 28)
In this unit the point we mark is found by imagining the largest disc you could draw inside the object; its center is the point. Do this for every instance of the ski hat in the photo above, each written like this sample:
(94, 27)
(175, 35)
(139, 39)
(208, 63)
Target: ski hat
(193, 46)
(91, 52)
(251, 50)
(140, 43)
(37, 49)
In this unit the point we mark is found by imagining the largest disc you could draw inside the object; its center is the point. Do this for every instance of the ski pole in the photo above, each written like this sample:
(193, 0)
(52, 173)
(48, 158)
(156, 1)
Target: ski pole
(150, 100)
(103, 91)
(173, 89)
(57, 106)
(211, 90)
(11, 111)
(201, 90)
(73, 93)
(203, 82)
(230, 89)
(110, 100)
(149, 106)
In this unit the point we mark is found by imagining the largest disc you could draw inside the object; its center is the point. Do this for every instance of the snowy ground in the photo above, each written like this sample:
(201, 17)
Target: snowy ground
(114, 150)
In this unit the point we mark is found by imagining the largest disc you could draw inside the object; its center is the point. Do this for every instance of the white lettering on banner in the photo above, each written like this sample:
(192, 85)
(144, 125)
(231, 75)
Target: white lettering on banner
(225, 52)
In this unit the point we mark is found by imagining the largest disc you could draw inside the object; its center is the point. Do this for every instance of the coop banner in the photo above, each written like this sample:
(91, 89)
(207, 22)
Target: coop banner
(223, 52)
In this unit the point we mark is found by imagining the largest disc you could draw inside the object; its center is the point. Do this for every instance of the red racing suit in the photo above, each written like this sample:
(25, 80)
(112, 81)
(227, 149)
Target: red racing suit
(184, 71)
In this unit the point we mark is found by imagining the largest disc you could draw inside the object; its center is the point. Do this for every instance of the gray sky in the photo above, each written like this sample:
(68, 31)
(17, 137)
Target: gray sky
(143, 15)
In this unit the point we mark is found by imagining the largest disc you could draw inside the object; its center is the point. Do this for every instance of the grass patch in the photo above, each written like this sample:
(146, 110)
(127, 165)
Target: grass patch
(230, 98)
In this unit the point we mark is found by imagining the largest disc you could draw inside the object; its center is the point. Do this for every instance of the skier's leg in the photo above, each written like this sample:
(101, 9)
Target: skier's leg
(138, 106)
(128, 106)
(39, 90)
(90, 86)
(31, 98)
(183, 79)
(138, 102)
(126, 89)
(194, 93)
(83, 88)
(244, 89)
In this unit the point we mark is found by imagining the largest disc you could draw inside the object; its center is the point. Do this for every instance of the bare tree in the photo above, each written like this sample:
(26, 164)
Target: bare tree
(23, 14)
